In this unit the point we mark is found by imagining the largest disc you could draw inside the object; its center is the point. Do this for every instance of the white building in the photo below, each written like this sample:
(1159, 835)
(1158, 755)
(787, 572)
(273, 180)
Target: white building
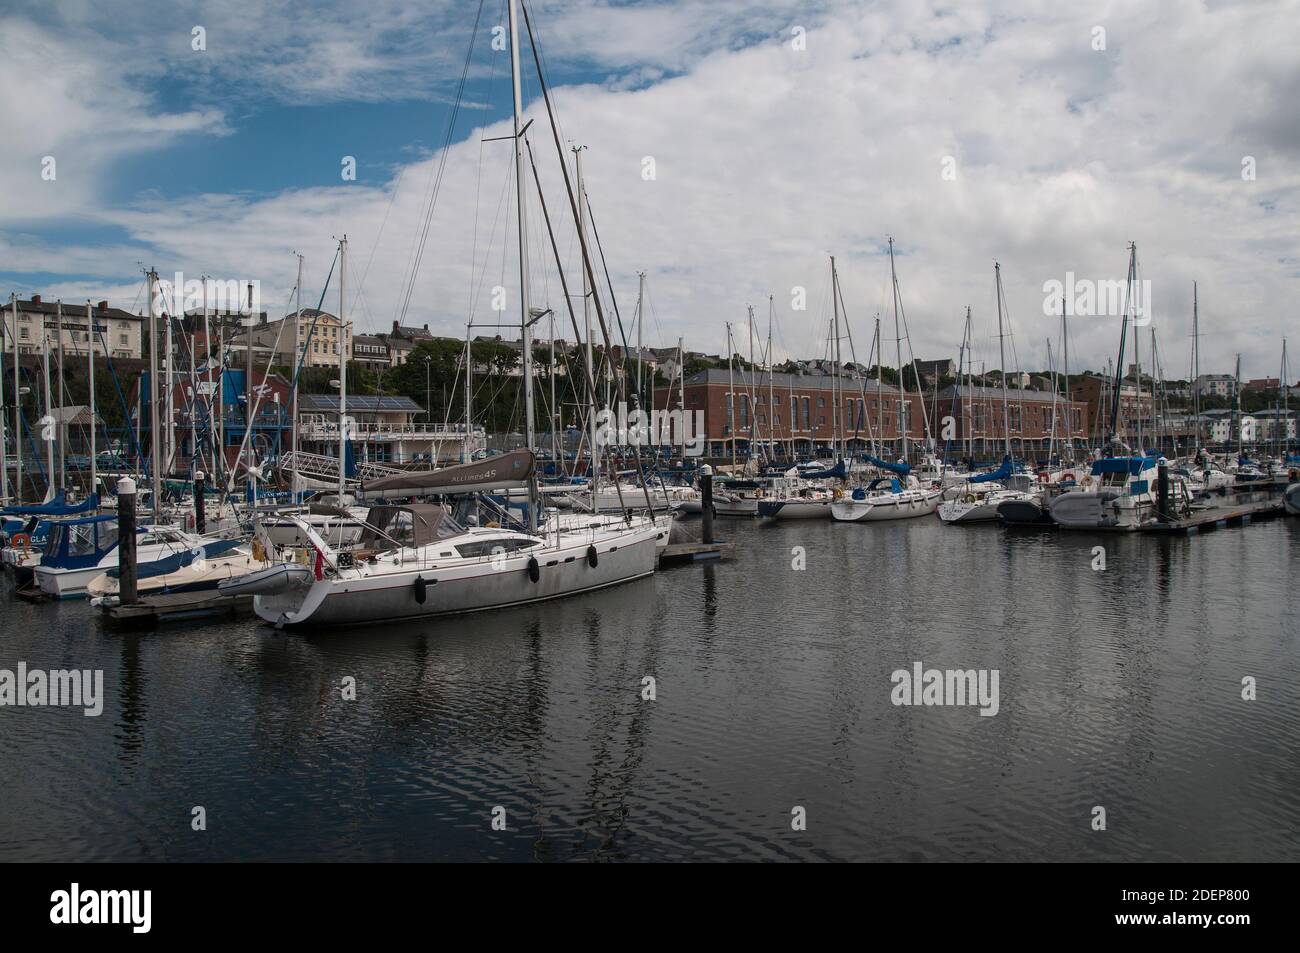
(1216, 385)
(117, 333)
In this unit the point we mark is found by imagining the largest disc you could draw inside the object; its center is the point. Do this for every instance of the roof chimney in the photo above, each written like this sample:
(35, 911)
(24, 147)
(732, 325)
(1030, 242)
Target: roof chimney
(102, 306)
(36, 299)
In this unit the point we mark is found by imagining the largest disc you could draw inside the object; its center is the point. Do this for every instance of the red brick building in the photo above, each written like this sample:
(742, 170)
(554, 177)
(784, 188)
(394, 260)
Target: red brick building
(803, 413)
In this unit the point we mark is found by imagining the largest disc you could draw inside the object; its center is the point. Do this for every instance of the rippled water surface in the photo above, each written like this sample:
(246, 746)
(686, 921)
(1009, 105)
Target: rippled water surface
(1119, 689)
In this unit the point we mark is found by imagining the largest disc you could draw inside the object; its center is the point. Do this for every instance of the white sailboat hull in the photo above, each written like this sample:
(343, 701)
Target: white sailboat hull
(466, 586)
(890, 506)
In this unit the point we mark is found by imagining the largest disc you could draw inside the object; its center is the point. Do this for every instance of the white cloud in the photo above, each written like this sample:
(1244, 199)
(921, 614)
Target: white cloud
(769, 159)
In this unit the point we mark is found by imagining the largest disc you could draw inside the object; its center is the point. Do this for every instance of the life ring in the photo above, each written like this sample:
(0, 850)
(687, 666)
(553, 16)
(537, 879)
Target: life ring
(21, 539)
(591, 557)
(1087, 481)
(1044, 476)
(534, 569)
(968, 498)
(1067, 477)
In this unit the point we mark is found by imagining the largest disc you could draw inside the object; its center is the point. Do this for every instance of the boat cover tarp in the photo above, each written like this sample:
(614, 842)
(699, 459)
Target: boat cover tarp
(1130, 465)
(901, 467)
(503, 471)
(837, 472)
(56, 507)
(1001, 473)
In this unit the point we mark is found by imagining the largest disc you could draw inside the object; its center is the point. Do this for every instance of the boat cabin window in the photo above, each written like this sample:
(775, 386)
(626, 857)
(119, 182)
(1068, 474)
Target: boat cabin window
(490, 547)
(107, 534)
(393, 527)
(81, 539)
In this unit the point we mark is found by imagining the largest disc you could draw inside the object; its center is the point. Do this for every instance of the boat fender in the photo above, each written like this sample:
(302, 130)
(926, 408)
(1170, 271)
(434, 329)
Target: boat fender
(421, 588)
(591, 557)
(534, 570)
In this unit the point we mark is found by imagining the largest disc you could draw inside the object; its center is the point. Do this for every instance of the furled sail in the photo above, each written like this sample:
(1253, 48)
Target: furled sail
(504, 471)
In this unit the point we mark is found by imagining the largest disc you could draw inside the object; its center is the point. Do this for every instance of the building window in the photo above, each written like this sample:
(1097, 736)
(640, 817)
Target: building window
(22, 333)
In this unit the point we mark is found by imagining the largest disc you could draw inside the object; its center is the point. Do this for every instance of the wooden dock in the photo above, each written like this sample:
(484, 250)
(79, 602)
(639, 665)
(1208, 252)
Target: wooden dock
(1218, 517)
(677, 554)
(178, 607)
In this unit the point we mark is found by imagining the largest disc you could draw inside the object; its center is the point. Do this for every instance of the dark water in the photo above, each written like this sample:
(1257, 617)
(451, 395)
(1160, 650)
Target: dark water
(1119, 688)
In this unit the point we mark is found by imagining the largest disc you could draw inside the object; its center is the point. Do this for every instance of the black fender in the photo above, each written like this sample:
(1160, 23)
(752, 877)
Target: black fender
(421, 589)
(591, 557)
(534, 569)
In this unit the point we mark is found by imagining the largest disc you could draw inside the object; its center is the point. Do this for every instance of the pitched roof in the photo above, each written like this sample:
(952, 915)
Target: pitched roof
(361, 403)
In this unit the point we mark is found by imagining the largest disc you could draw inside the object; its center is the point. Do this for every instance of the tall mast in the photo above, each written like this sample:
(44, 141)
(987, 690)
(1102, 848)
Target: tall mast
(640, 318)
(1137, 383)
(90, 366)
(880, 392)
(469, 393)
(61, 426)
(49, 410)
(963, 358)
(898, 346)
(836, 428)
(343, 366)
(299, 352)
(1283, 421)
(753, 403)
(555, 411)
(220, 429)
(1118, 370)
(771, 394)
(681, 393)
(1196, 366)
(18, 412)
(1002, 358)
(1051, 369)
(1237, 414)
(4, 450)
(586, 311)
(731, 394)
(521, 211)
(1069, 406)
(155, 445)
(170, 383)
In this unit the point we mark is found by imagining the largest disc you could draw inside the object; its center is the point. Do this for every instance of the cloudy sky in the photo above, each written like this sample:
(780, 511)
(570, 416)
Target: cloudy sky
(1043, 135)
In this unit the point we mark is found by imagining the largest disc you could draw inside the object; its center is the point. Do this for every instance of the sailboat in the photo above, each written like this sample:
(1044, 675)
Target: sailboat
(986, 492)
(416, 559)
(1120, 491)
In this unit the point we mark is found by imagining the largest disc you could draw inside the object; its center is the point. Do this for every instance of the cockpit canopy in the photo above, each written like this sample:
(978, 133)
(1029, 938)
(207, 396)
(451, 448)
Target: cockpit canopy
(414, 525)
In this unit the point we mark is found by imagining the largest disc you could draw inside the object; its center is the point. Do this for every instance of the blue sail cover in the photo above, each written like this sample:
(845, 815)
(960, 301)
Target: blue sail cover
(1001, 473)
(349, 460)
(1130, 465)
(56, 507)
(901, 468)
(836, 472)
